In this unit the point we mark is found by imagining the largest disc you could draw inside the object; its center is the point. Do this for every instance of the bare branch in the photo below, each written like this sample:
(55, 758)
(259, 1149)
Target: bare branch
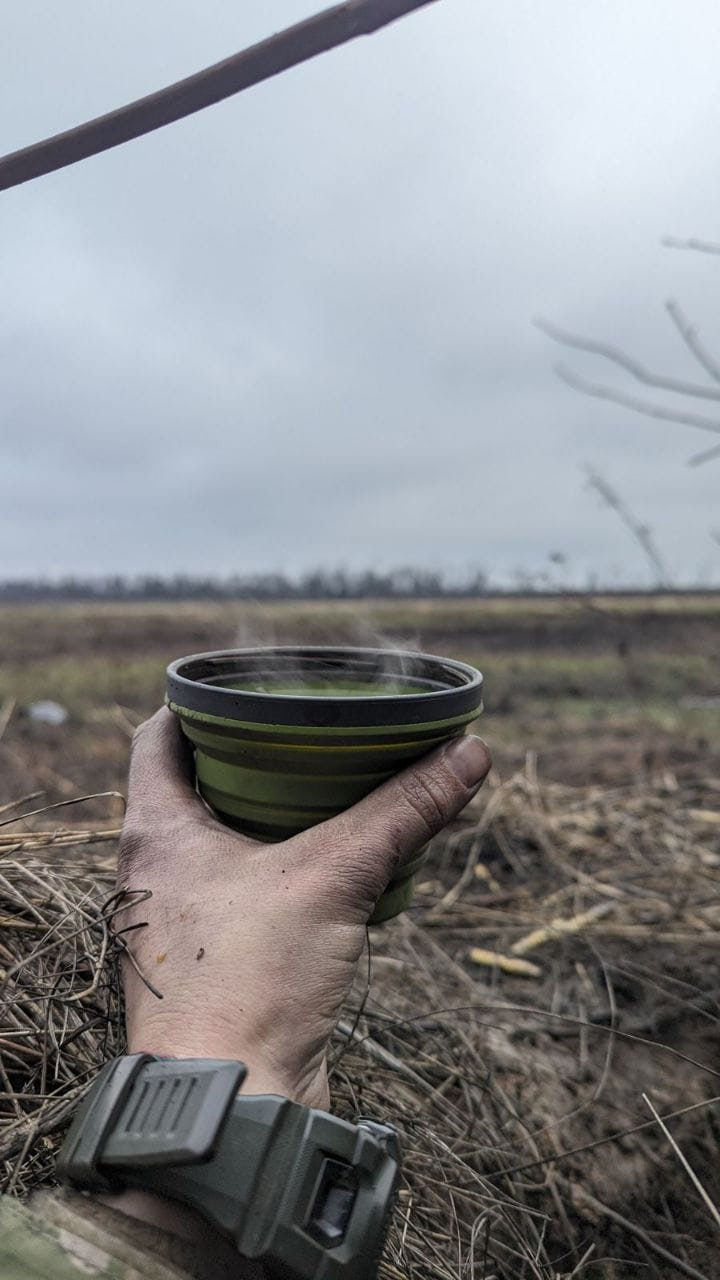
(706, 455)
(631, 366)
(615, 355)
(700, 246)
(600, 392)
(288, 48)
(640, 532)
(689, 335)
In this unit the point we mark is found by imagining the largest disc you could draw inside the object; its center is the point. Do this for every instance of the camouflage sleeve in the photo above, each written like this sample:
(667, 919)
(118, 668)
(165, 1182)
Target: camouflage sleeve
(65, 1236)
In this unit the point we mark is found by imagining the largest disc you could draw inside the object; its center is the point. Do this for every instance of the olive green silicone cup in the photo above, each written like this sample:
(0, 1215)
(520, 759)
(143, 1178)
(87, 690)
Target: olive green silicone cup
(286, 737)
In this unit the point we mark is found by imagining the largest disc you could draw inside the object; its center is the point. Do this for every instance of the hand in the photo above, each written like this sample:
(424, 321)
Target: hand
(254, 946)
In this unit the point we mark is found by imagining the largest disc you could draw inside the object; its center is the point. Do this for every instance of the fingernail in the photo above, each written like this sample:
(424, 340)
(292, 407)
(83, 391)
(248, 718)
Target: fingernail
(469, 760)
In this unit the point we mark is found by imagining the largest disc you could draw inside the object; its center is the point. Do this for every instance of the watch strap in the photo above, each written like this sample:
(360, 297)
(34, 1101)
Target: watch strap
(147, 1112)
(307, 1193)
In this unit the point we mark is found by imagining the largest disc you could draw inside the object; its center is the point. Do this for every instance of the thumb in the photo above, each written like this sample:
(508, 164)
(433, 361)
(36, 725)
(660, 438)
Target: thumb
(388, 826)
(161, 783)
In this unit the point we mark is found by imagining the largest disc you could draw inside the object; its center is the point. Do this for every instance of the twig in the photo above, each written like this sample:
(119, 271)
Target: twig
(618, 1136)
(605, 1211)
(31, 1134)
(388, 1059)
(639, 531)
(709, 1204)
(63, 804)
(294, 45)
(638, 371)
(705, 455)
(114, 906)
(466, 878)
(15, 804)
(699, 246)
(649, 410)
(689, 335)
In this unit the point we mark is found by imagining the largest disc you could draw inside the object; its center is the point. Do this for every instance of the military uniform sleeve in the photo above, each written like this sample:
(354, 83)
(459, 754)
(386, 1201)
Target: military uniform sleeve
(66, 1236)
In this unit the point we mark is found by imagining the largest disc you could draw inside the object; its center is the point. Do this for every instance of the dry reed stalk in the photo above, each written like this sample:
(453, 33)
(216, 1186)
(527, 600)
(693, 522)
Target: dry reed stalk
(519, 1108)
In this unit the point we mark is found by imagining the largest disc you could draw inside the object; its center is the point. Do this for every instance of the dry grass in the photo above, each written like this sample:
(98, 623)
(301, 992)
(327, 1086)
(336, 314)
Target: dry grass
(60, 1012)
(529, 1151)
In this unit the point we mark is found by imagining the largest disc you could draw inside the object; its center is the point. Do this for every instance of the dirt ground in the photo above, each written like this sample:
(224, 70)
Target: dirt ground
(592, 856)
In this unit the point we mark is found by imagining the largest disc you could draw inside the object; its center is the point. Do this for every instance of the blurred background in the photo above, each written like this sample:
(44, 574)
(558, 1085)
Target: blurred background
(295, 330)
(411, 345)
(272, 372)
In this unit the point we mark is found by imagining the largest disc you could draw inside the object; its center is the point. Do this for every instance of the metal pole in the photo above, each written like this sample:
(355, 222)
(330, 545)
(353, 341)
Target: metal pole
(295, 44)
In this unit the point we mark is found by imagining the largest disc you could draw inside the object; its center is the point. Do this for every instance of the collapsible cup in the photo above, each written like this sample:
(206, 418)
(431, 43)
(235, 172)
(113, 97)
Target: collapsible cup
(286, 737)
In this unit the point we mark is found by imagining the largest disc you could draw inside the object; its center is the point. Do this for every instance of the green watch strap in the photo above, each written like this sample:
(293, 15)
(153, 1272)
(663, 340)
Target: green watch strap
(146, 1111)
(306, 1193)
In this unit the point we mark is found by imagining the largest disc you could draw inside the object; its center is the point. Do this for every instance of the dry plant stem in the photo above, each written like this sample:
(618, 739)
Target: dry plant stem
(611, 1031)
(605, 1211)
(63, 804)
(375, 1050)
(600, 1142)
(506, 964)
(36, 840)
(45, 776)
(560, 926)
(710, 1206)
(15, 804)
(454, 893)
(504, 1114)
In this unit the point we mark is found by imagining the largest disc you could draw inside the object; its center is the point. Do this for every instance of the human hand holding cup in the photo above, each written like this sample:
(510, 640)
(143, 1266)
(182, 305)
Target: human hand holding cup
(253, 947)
(287, 737)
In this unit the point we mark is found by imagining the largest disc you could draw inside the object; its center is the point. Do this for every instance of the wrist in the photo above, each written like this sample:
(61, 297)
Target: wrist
(307, 1085)
(173, 1144)
(132, 1233)
(174, 1219)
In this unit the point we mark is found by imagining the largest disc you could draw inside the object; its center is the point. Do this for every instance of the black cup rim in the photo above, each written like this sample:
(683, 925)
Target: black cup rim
(460, 696)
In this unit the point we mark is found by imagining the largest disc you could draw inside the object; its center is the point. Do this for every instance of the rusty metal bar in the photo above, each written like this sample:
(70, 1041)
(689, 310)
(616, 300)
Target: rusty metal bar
(259, 62)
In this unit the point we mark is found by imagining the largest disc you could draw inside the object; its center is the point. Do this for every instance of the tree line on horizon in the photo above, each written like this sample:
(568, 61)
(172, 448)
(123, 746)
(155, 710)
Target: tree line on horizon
(316, 584)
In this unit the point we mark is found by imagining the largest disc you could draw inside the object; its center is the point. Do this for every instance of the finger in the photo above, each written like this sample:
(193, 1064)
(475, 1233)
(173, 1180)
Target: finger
(162, 777)
(396, 820)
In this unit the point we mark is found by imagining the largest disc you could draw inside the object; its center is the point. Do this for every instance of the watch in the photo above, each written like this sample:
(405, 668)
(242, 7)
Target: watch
(307, 1194)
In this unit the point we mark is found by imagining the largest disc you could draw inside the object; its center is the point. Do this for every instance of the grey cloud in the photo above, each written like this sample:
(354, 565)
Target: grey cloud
(296, 328)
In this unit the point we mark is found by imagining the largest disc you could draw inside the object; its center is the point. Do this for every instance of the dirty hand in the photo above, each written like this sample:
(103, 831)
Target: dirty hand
(254, 946)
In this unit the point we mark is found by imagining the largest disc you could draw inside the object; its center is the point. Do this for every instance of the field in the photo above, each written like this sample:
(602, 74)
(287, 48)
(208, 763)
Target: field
(601, 690)
(561, 960)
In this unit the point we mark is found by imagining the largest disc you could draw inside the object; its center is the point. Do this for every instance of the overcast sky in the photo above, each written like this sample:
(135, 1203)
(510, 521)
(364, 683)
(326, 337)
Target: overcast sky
(296, 329)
